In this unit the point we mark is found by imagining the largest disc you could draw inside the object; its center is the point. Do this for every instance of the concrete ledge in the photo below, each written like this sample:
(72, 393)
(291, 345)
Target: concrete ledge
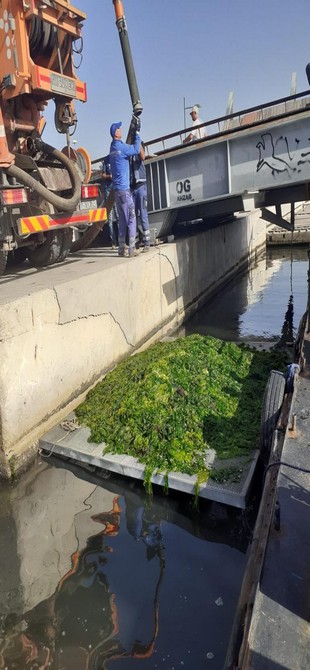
(279, 630)
(284, 237)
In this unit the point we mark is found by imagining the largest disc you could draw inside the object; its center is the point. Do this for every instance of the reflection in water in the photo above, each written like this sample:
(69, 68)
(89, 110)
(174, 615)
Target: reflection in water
(78, 626)
(143, 584)
(287, 332)
(255, 306)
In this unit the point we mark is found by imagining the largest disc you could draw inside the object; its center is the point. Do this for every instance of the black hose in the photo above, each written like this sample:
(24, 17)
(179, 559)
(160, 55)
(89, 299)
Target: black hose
(62, 204)
(287, 465)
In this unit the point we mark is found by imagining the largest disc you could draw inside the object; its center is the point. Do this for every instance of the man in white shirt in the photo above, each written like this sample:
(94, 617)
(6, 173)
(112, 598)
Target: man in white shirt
(196, 133)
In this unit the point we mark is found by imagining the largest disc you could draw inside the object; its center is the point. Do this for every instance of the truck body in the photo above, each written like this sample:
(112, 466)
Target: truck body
(44, 192)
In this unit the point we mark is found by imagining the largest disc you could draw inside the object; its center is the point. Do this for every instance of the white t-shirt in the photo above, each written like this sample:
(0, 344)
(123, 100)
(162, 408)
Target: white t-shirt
(198, 133)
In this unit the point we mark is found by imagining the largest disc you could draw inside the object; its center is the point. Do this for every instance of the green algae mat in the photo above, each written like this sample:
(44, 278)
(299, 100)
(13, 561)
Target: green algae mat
(169, 404)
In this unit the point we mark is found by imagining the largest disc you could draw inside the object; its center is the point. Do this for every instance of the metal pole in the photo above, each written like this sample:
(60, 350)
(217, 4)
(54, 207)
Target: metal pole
(293, 84)
(184, 108)
(308, 300)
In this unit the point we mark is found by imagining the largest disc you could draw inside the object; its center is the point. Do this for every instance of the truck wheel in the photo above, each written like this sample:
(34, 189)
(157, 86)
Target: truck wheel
(20, 254)
(67, 235)
(3, 260)
(272, 403)
(49, 251)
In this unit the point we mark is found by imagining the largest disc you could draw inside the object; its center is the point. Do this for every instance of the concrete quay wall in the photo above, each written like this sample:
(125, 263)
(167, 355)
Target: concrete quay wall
(59, 340)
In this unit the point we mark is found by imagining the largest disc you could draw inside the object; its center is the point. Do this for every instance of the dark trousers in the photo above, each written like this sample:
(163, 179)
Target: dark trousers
(126, 219)
(139, 194)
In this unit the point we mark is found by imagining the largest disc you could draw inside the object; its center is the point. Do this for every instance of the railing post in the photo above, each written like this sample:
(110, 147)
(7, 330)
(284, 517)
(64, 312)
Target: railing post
(308, 301)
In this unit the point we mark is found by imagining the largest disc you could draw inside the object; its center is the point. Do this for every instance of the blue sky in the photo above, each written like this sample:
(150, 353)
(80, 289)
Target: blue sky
(199, 50)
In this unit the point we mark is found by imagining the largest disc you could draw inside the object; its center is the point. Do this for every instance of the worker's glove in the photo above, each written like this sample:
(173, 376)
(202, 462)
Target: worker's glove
(136, 123)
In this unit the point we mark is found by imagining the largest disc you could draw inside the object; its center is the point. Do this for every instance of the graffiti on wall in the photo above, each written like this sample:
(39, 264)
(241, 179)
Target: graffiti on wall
(278, 156)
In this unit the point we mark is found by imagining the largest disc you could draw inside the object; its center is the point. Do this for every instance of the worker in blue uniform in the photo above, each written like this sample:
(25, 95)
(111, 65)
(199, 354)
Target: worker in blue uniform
(106, 190)
(139, 194)
(120, 153)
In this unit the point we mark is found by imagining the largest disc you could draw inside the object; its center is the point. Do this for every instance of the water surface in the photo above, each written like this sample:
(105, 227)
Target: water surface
(96, 574)
(254, 307)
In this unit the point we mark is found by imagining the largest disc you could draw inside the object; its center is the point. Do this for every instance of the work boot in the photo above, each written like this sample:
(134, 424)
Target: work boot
(146, 248)
(123, 253)
(133, 252)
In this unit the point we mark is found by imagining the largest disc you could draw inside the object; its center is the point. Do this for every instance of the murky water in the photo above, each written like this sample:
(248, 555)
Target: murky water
(270, 298)
(95, 574)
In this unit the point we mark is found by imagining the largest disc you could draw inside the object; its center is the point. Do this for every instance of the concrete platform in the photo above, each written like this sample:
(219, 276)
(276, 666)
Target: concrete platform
(271, 630)
(71, 442)
(279, 635)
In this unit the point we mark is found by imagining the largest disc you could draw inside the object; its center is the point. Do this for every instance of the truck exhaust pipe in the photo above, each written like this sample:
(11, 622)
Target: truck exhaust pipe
(125, 46)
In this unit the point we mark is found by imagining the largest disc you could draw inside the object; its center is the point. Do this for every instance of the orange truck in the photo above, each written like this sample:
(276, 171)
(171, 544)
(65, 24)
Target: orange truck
(45, 193)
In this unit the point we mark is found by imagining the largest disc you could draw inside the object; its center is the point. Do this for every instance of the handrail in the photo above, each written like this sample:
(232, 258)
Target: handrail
(228, 117)
(221, 119)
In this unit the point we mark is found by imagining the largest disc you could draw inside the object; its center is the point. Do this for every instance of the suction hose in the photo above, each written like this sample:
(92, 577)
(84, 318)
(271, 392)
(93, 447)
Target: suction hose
(62, 204)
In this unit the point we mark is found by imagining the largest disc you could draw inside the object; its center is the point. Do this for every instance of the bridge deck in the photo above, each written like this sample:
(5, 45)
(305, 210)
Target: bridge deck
(252, 159)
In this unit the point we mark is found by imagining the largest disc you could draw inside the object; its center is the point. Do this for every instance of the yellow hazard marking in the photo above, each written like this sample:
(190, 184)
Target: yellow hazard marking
(37, 224)
(97, 215)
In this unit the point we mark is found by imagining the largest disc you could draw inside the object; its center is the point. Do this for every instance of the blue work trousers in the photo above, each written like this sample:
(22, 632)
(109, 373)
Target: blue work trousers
(112, 216)
(139, 194)
(126, 220)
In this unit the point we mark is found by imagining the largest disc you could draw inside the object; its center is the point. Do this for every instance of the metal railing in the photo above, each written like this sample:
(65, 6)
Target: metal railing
(236, 121)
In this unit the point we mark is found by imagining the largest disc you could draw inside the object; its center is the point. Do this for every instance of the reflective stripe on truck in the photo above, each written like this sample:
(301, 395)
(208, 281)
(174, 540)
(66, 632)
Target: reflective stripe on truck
(37, 224)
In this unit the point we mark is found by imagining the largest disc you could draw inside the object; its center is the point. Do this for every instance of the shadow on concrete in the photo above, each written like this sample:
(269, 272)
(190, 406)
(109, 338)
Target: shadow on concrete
(18, 271)
(286, 569)
(261, 662)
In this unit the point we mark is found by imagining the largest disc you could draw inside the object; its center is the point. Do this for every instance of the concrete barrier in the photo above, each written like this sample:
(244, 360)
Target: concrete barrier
(60, 340)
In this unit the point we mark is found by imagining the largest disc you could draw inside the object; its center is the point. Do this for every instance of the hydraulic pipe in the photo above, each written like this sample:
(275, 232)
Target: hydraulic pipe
(130, 72)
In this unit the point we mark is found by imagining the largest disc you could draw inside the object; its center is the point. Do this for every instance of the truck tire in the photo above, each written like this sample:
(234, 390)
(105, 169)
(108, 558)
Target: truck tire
(272, 403)
(3, 261)
(67, 235)
(49, 251)
(20, 254)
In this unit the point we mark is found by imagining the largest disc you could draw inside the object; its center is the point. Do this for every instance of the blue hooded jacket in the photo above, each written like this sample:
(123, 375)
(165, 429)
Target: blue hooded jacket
(138, 171)
(120, 153)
